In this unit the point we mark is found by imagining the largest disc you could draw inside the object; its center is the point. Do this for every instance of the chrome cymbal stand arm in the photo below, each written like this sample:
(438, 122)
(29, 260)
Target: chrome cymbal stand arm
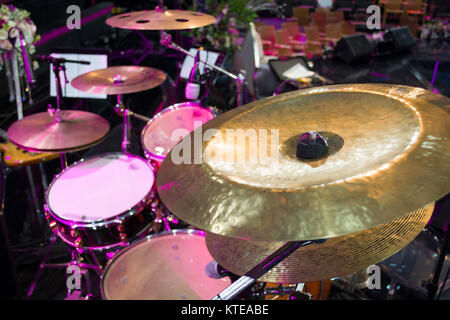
(166, 40)
(126, 123)
(262, 268)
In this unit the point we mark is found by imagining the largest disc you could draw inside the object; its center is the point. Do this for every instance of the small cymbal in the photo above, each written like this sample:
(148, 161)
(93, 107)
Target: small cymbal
(389, 155)
(161, 20)
(335, 257)
(40, 132)
(119, 80)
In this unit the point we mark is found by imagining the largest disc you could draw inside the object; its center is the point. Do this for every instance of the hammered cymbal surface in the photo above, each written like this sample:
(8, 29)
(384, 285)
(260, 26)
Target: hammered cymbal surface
(40, 132)
(119, 80)
(389, 155)
(157, 20)
(335, 257)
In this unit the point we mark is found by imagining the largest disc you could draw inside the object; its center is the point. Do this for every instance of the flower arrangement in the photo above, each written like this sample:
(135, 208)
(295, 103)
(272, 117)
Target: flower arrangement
(10, 16)
(231, 15)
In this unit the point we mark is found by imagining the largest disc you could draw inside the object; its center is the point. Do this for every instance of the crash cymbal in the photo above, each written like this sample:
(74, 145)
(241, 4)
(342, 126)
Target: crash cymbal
(161, 20)
(335, 257)
(119, 80)
(40, 132)
(389, 155)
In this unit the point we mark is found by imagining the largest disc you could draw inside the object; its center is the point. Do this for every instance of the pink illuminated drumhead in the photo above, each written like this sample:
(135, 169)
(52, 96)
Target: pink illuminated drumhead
(169, 127)
(100, 187)
(165, 267)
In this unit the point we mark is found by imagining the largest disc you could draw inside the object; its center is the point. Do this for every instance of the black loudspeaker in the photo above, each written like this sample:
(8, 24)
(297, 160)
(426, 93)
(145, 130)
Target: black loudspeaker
(353, 48)
(401, 38)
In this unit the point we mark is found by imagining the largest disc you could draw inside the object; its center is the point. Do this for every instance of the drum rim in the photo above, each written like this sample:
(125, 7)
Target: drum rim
(189, 232)
(101, 222)
(186, 104)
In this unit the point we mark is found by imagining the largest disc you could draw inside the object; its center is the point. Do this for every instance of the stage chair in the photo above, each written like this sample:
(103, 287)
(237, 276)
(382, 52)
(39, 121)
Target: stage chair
(392, 7)
(320, 20)
(334, 33)
(284, 38)
(270, 43)
(412, 22)
(323, 10)
(415, 8)
(301, 14)
(293, 30)
(347, 28)
(313, 36)
(312, 49)
(334, 16)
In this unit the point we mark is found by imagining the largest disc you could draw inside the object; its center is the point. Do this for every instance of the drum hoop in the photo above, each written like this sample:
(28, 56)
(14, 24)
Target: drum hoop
(187, 104)
(101, 222)
(189, 232)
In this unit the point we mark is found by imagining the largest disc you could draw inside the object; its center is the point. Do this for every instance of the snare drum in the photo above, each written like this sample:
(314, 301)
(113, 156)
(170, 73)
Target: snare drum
(158, 135)
(165, 266)
(102, 202)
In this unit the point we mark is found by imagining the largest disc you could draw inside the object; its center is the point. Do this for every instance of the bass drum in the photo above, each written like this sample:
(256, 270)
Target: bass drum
(166, 266)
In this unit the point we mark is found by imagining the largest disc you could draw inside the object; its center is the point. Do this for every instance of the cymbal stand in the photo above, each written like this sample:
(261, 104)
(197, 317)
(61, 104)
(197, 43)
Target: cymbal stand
(166, 40)
(58, 67)
(124, 112)
(76, 258)
(247, 280)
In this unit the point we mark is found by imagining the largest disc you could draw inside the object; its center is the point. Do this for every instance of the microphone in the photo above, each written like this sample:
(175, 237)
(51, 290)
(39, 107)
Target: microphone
(27, 63)
(54, 60)
(192, 90)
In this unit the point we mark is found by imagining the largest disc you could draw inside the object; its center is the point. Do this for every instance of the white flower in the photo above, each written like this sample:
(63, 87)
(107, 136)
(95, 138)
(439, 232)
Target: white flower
(3, 34)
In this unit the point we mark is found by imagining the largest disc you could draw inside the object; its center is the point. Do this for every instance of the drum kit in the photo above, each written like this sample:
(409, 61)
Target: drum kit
(288, 222)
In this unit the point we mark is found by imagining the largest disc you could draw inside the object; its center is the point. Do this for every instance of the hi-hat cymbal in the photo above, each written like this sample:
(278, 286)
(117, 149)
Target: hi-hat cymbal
(161, 20)
(40, 132)
(119, 80)
(389, 155)
(335, 257)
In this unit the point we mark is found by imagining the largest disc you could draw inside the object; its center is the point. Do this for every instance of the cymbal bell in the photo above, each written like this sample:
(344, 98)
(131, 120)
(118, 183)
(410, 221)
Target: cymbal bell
(161, 20)
(389, 155)
(119, 80)
(40, 132)
(335, 257)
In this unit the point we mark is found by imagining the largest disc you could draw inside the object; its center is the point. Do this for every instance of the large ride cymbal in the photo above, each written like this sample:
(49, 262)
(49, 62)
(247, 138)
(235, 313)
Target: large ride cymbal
(335, 257)
(119, 80)
(40, 132)
(161, 20)
(389, 155)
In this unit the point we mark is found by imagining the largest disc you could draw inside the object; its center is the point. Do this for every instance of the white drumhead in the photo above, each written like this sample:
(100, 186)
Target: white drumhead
(164, 267)
(162, 133)
(100, 187)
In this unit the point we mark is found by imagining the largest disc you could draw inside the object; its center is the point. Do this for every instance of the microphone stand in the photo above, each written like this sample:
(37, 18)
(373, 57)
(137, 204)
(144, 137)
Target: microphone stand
(166, 40)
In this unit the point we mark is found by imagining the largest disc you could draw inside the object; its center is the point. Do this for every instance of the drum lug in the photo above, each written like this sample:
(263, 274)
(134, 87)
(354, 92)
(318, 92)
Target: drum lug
(74, 233)
(122, 235)
(78, 243)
